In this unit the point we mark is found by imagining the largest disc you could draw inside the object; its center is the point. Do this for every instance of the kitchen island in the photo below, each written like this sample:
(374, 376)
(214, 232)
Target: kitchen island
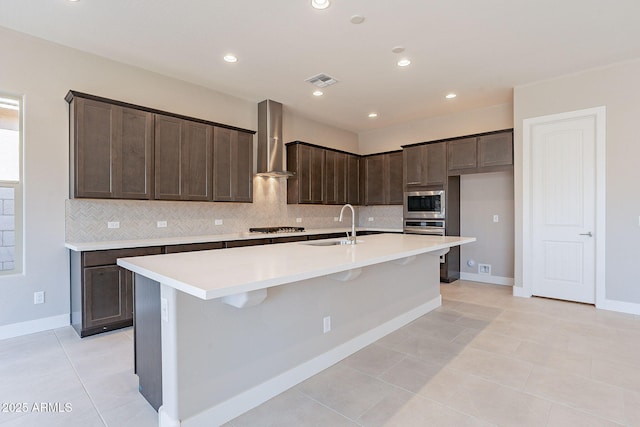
(237, 327)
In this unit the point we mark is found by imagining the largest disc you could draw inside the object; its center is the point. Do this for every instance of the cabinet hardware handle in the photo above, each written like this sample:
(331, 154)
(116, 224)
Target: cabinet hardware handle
(586, 234)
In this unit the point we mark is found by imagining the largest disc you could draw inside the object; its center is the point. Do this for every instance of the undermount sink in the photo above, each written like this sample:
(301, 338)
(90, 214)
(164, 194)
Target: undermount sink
(331, 242)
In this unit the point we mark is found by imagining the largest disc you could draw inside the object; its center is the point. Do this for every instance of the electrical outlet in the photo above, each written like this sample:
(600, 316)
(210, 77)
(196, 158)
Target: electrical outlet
(218, 222)
(370, 219)
(484, 268)
(38, 297)
(496, 218)
(113, 224)
(298, 219)
(336, 219)
(326, 324)
(161, 224)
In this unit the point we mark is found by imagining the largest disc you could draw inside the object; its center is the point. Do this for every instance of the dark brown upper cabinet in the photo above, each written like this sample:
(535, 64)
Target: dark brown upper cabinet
(354, 193)
(462, 155)
(125, 151)
(183, 159)
(233, 166)
(495, 150)
(112, 151)
(383, 179)
(307, 163)
(335, 188)
(425, 165)
(489, 152)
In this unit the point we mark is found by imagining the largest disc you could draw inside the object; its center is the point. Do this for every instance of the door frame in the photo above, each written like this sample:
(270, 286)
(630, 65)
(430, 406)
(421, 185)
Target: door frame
(599, 114)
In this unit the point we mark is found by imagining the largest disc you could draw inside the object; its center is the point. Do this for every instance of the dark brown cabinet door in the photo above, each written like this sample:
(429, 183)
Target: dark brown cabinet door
(112, 151)
(462, 155)
(107, 293)
(335, 182)
(394, 192)
(374, 186)
(183, 159)
(242, 182)
(414, 164)
(233, 166)
(330, 184)
(435, 172)
(308, 165)
(134, 171)
(93, 148)
(383, 181)
(495, 150)
(353, 179)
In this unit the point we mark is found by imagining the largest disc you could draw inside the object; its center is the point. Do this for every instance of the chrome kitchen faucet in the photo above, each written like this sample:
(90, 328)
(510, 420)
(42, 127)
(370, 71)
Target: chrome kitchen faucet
(351, 239)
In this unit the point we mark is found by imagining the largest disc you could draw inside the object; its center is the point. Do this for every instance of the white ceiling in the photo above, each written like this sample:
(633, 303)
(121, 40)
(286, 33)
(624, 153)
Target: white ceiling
(478, 49)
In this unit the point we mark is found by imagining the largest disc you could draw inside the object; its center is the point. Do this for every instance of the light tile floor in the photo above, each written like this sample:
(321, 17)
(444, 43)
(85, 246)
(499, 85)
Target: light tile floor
(484, 358)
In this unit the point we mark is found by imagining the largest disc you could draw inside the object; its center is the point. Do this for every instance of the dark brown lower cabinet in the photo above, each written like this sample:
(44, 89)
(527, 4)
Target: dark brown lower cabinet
(101, 291)
(107, 296)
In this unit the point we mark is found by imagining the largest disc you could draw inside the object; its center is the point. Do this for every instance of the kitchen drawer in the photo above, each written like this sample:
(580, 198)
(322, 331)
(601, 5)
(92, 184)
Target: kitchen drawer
(328, 236)
(172, 249)
(249, 242)
(287, 239)
(109, 257)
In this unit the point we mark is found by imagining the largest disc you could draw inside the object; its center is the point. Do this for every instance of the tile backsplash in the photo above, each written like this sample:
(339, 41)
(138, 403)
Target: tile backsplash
(86, 219)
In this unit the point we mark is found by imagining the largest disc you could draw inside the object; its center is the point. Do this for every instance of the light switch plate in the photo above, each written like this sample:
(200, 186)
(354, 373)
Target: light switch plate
(218, 222)
(496, 218)
(161, 224)
(113, 224)
(298, 219)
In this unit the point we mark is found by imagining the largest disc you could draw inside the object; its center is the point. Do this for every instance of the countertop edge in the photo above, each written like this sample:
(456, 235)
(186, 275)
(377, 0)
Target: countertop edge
(182, 240)
(285, 279)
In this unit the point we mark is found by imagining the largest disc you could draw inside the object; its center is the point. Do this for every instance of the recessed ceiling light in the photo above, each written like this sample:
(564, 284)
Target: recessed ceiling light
(230, 58)
(373, 115)
(320, 4)
(73, 1)
(398, 49)
(404, 62)
(451, 95)
(318, 93)
(357, 19)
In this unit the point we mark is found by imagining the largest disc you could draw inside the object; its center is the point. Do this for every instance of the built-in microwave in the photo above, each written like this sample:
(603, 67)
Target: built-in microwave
(424, 204)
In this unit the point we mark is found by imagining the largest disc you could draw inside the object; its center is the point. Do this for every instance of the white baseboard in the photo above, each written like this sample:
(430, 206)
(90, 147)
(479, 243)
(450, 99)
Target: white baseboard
(485, 278)
(620, 306)
(33, 326)
(519, 291)
(243, 402)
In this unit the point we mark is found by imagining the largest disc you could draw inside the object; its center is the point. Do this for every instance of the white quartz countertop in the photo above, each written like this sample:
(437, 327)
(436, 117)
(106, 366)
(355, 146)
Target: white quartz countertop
(218, 273)
(181, 240)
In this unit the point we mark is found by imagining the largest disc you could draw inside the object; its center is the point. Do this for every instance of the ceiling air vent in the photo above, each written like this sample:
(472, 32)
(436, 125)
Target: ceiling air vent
(321, 80)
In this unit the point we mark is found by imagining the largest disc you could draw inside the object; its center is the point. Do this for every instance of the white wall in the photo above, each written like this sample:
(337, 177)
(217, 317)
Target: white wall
(299, 128)
(618, 88)
(481, 197)
(44, 72)
(465, 123)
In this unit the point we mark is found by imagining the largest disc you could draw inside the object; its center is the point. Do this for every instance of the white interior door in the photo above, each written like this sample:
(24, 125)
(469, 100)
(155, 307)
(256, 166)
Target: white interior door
(563, 208)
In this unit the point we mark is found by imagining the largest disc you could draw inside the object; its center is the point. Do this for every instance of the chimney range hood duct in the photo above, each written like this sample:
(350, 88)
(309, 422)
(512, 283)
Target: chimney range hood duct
(270, 143)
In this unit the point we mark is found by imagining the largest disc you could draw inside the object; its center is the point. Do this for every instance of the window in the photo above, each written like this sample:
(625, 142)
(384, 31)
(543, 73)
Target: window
(10, 184)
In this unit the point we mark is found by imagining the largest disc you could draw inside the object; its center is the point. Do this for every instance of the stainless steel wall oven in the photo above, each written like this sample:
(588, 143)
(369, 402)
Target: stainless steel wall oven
(424, 204)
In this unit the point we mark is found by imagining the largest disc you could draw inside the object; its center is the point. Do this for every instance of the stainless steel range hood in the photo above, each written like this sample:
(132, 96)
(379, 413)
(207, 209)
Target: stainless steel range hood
(270, 143)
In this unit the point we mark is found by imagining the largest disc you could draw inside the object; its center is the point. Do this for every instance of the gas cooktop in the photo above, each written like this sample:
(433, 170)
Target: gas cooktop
(282, 229)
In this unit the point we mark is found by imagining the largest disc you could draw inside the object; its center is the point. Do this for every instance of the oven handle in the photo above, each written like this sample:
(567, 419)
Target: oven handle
(427, 231)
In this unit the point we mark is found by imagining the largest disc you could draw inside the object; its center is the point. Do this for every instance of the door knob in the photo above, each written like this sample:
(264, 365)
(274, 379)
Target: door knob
(587, 234)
